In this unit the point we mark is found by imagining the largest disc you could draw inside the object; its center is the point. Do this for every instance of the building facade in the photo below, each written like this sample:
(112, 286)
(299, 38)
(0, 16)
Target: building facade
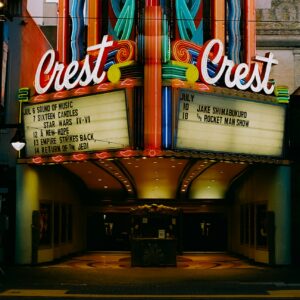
(142, 110)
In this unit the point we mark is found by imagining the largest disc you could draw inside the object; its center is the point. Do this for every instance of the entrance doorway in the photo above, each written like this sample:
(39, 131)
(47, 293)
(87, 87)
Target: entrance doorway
(199, 232)
(108, 232)
(204, 232)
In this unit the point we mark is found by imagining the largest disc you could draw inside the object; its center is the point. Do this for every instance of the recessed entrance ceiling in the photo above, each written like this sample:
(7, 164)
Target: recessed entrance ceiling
(158, 177)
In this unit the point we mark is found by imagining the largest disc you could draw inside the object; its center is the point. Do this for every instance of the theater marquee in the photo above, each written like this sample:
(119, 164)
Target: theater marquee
(227, 124)
(89, 123)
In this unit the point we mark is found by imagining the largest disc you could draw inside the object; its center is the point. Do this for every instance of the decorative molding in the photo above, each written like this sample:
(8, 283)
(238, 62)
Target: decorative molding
(283, 18)
(272, 40)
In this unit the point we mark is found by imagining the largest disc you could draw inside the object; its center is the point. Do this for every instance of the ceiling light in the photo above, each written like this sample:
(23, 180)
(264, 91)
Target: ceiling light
(105, 186)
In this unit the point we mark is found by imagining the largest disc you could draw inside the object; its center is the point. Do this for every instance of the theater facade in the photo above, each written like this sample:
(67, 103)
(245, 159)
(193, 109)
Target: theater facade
(151, 124)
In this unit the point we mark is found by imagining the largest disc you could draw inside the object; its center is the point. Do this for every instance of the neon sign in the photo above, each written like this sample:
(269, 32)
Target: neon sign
(68, 77)
(241, 75)
(90, 71)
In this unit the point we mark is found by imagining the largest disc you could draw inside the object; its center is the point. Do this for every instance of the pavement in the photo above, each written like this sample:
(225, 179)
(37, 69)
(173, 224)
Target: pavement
(110, 276)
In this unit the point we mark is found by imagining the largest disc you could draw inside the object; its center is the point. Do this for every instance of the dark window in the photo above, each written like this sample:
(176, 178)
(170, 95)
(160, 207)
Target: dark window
(56, 224)
(261, 225)
(45, 224)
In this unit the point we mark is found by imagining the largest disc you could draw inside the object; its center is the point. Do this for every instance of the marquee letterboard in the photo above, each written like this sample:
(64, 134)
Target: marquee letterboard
(89, 123)
(223, 124)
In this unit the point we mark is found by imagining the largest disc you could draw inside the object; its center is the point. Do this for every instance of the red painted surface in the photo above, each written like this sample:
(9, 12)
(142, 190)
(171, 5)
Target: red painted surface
(34, 45)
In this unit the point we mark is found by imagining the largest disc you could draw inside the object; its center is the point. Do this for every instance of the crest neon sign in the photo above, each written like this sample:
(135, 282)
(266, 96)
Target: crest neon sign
(62, 77)
(51, 74)
(241, 76)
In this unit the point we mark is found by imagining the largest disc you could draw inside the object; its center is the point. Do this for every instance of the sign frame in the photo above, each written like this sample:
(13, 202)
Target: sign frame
(223, 97)
(57, 101)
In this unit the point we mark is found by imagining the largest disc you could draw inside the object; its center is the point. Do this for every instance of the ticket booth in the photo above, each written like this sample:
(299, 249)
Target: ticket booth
(154, 235)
